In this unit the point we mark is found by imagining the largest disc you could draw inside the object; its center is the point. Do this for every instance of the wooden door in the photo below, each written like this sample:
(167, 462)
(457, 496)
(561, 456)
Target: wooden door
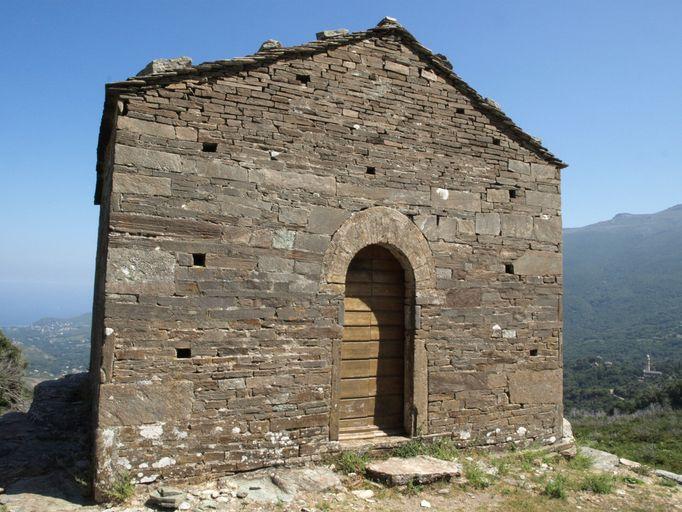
(371, 390)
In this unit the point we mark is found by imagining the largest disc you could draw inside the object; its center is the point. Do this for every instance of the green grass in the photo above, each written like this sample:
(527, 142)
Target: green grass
(580, 462)
(442, 448)
(556, 488)
(476, 477)
(652, 437)
(413, 489)
(597, 483)
(351, 462)
(122, 488)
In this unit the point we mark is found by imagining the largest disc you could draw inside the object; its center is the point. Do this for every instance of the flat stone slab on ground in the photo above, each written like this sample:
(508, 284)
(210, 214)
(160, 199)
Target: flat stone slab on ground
(281, 485)
(421, 469)
(669, 475)
(602, 461)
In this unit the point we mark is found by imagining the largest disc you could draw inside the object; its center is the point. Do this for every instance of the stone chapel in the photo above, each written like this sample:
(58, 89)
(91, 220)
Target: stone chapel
(333, 245)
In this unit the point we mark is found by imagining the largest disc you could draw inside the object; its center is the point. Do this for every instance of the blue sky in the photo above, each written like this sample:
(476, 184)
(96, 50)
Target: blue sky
(599, 82)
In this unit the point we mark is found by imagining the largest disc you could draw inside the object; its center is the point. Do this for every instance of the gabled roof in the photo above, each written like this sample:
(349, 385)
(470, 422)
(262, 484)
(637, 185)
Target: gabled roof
(167, 71)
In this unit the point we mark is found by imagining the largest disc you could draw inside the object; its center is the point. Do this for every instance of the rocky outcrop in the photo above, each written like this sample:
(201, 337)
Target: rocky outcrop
(46, 450)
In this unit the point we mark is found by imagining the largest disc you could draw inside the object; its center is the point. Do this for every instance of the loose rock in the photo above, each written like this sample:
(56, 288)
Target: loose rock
(168, 497)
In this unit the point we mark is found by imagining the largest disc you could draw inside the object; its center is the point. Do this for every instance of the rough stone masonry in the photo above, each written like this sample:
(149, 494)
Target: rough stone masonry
(234, 195)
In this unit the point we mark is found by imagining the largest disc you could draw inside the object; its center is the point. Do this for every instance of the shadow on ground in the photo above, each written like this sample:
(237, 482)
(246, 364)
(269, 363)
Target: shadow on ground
(44, 452)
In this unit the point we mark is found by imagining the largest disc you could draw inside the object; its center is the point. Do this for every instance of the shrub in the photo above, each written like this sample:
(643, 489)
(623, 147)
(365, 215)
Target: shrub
(121, 488)
(556, 488)
(597, 483)
(476, 477)
(351, 462)
(580, 462)
(12, 365)
(665, 482)
(413, 489)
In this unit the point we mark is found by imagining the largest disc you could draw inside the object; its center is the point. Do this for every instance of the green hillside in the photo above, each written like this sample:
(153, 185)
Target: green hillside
(623, 300)
(54, 346)
(623, 288)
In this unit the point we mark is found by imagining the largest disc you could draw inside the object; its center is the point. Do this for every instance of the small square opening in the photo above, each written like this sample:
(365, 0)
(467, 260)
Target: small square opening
(496, 141)
(459, 110)
(209, 147)
(512, 193)
(303, 79)
(371, 170)
(533, 351)
(183, 353)
(509, 268)
(199, 259)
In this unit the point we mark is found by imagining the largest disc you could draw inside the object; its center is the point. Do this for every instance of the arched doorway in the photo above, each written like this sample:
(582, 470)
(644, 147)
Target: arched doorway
(372, 366)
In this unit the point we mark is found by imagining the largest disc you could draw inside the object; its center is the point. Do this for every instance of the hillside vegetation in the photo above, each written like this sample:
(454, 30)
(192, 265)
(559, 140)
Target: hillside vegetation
(12, 365)
(54, 346)
(623, 288)
(623, 300)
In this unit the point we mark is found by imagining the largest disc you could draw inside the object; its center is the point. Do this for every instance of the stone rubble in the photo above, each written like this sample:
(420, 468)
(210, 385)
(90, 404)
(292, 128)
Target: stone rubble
(167, 497)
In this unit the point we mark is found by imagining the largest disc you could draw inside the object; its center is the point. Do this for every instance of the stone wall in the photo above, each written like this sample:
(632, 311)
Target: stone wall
(257, 168)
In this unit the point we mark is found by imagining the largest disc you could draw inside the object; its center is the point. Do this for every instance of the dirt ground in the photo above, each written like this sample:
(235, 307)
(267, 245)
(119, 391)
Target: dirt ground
(518, 481)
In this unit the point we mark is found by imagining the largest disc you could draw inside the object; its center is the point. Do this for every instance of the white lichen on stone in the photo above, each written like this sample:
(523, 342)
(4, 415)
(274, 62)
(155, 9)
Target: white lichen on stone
(521, 431)
(164, 462)
(443, 193)
(236, 430)
(108, 437)
(465, 434)
(154, 431)
(509, 333)
(108, 331)
(179, 434)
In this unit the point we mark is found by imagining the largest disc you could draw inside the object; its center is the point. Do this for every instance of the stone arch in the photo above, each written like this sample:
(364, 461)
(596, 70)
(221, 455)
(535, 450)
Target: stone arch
(396, 232)
(390, 228)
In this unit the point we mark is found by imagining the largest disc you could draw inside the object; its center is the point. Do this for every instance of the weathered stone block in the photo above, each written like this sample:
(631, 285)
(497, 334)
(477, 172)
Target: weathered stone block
(464, 297)
(140, 271)
(544, 199)
(288, 180)
(139, 184)
(547, 230)
(454, 381)
(455, 199)
(488, 223)
(312, 243)
(538, 263)
(326, 220)
(535, 387)
(145, 127)
(517, 225)
(497, 195)
(518, 166)
(396, 68)
(283, 239)
(543, 171)
(146, 403)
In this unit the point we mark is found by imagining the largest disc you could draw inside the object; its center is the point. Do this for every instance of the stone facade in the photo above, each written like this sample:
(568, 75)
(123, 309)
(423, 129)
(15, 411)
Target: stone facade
(233, 196)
